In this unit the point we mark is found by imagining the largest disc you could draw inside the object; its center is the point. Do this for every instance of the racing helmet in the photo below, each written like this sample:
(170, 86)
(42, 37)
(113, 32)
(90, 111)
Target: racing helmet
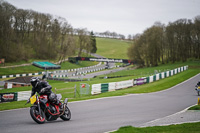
(34, 81)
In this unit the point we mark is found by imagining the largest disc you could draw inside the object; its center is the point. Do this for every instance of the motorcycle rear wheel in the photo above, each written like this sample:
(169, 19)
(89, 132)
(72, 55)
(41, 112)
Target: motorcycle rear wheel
(67, 115)
(34, 112)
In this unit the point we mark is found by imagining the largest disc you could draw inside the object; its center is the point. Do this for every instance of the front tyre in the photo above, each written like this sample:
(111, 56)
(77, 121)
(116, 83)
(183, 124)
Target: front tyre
(34, 112)
(67, 115)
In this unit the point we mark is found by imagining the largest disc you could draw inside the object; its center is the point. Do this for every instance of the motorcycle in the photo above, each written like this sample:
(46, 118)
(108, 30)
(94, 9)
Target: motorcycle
(197, 89)
(43, 110)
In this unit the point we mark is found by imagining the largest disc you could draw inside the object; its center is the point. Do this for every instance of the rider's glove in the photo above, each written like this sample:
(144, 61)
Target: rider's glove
(42, 90)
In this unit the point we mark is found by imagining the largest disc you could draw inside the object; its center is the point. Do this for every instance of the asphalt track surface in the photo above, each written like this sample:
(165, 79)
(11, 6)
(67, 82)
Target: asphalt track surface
(107, 114)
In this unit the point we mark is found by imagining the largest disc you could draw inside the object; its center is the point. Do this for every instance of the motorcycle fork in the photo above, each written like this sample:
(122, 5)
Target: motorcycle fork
(38, 104)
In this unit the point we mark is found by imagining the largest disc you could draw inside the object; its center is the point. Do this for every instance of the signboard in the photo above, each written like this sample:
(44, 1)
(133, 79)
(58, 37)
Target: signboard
(75, 59)
(8, 97)
(84, 88)
(140, 81)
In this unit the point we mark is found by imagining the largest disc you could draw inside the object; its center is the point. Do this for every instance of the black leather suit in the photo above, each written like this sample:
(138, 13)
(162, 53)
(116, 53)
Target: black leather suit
(48, 92)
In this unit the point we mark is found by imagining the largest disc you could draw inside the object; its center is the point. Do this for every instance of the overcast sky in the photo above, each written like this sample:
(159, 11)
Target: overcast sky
(122, 16)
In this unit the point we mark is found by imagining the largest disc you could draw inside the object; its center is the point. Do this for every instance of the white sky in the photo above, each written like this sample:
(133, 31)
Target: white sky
(122, 16)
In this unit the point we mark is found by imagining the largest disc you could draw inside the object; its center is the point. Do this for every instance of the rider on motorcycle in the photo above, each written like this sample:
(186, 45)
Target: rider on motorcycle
(43, 88)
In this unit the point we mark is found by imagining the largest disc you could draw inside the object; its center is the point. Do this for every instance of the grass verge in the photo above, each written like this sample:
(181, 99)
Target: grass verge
(196, 107)
(180, 128)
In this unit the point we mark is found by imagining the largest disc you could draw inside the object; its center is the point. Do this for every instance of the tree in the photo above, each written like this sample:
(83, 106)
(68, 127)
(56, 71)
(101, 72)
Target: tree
(26, 34)
(93, 43)
(83, 41)
(177, 41)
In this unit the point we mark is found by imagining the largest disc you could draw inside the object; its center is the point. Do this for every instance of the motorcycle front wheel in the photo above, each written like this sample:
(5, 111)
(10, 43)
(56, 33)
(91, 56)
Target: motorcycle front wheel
(67, 115)
(34, 112)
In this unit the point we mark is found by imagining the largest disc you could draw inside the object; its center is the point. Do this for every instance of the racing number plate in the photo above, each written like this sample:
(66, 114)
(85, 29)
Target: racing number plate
(33, 99)
(199, 87)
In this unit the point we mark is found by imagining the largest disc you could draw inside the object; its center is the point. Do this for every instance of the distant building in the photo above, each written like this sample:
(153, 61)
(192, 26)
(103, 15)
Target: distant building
(18, 82)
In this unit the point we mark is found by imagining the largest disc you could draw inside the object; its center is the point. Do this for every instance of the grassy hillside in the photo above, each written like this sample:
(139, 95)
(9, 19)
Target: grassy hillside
(112, 48)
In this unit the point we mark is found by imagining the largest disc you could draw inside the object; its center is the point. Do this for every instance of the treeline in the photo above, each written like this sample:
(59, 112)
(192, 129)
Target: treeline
(178, 41)
(108, 34)
(27, 34)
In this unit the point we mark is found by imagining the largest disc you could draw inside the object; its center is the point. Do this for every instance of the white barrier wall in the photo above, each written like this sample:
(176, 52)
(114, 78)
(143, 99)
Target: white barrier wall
(172, 72)
(167, 74)
(124, 84)
(175, 71)
(112, 86)
(151, 79)
(96, 89)
(23, 95)
(157, 76)
(162, 75)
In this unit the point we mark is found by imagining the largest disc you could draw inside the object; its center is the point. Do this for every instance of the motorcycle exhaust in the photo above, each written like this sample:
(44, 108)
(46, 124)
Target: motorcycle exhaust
(63, 110)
